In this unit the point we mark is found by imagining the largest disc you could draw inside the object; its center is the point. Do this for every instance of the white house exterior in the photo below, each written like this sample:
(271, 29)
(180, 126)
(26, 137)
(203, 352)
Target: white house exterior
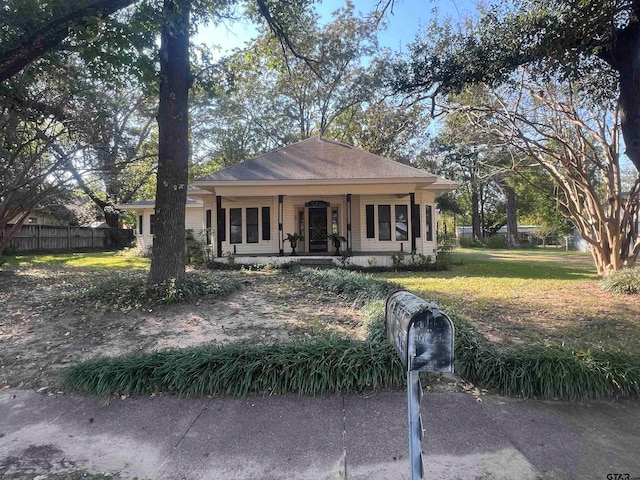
(313, 188)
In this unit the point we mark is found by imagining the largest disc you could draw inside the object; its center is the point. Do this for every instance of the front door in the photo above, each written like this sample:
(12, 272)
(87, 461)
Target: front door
(317, 229)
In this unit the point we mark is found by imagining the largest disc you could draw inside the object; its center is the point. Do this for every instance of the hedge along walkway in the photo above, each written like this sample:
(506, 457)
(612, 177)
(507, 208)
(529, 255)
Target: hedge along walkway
(333, 365)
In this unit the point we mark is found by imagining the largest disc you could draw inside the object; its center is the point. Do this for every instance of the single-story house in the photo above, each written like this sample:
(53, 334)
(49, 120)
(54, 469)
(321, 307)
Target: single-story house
(312, 188)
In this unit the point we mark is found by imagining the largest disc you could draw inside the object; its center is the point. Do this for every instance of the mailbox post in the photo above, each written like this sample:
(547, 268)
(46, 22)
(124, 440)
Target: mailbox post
(423, 338)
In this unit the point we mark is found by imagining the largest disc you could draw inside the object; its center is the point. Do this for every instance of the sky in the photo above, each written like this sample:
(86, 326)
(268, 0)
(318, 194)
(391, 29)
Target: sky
(403, 24)
(407, 18)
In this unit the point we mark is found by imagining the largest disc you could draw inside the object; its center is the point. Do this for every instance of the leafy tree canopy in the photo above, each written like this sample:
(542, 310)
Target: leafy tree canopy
(561, 39)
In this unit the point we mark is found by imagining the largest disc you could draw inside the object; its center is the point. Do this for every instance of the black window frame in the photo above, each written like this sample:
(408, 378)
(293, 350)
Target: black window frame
(266, 223)
(207, 225)
(386, 209)
(415, 220)
(152, 223)
(370, 220)
(234, 239)
(429, 222)
(253, 231)
(140, 224)
(398, 209)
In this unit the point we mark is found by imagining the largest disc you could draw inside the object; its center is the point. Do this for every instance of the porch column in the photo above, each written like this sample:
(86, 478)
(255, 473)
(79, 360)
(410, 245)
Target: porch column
(219, 226)
(412, 209)
(280, 220)
(349, 222)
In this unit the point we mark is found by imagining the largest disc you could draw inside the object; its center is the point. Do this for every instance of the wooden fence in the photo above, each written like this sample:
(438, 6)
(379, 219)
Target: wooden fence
(49, 238)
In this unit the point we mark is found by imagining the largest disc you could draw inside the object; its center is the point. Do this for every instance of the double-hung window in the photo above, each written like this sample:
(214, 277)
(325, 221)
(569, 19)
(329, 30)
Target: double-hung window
(384, 222)
(402, 223)
(252, 225)
(235, 224)
(429, 223)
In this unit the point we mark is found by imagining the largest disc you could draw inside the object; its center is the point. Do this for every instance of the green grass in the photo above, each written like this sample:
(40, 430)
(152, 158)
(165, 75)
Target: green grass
(546, 372)
(361, 288)
(316, 367)
(534, 297)
(492, 276)
(118, 280)
(95, 260)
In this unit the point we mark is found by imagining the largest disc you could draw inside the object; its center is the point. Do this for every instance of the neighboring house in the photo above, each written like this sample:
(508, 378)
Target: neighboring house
(526, 233)
(39, 216)
(313, 188)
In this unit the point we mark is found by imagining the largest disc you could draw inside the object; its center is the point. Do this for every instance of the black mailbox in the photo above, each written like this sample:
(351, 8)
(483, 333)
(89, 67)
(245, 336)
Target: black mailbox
(421, 334)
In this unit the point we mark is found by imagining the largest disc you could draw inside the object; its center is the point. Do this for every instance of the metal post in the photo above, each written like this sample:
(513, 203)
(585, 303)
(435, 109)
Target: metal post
(414, 396)
(423, 337)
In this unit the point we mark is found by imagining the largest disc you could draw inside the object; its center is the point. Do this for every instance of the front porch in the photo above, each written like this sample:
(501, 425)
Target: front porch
(360, 259)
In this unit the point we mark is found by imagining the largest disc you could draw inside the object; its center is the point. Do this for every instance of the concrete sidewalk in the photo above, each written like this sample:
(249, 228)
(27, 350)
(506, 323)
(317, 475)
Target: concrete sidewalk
(335, 437)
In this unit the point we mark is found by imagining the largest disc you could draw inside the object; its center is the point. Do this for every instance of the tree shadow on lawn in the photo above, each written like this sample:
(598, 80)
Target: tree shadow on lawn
(582, 323)
(520, 265)
(603, 334)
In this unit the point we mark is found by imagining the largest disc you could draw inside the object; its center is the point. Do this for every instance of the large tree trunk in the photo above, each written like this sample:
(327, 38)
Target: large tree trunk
(476, 221)
(167, 258)
(512, 219)
(612, 237)
(624, 58)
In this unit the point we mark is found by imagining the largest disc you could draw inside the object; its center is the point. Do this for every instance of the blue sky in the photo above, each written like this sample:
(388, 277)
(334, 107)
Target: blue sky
(407, 18)
(403, 25)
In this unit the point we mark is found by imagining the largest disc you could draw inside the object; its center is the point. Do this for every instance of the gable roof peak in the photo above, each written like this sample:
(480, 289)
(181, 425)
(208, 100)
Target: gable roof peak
(317, 158)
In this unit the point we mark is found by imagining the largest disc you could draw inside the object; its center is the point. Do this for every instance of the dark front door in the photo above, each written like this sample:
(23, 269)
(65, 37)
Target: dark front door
(317, 229)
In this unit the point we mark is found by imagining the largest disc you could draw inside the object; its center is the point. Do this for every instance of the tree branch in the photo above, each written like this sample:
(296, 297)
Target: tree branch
(50, 34)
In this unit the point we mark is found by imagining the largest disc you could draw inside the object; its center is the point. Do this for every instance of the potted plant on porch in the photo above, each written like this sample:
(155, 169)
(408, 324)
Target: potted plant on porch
(337, 241)
(293, 239)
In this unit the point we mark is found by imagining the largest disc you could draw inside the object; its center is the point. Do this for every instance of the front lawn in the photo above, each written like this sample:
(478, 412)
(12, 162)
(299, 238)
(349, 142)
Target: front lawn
(94, 260)
(539, 297)
(342, 364)
(547, 328)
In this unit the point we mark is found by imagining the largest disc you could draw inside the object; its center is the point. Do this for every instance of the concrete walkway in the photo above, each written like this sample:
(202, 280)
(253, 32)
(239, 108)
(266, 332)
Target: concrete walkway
(335, 437)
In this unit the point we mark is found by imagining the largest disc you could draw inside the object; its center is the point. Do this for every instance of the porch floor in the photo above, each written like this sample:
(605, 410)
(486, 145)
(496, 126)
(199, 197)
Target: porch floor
(364, 259)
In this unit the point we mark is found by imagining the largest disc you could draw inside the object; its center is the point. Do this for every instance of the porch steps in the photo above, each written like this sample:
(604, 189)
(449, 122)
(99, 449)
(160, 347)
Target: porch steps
(316, 262)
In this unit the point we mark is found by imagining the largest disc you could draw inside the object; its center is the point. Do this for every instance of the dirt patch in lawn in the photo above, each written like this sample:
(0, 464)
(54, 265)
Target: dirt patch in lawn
(41, 332)
(579, 315)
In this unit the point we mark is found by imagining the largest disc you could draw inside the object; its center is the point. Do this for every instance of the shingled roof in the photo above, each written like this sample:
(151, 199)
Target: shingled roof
(317, 158)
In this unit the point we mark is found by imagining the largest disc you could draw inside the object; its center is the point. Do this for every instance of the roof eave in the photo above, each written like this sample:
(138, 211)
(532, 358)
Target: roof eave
(422, 181)
(139, 206)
